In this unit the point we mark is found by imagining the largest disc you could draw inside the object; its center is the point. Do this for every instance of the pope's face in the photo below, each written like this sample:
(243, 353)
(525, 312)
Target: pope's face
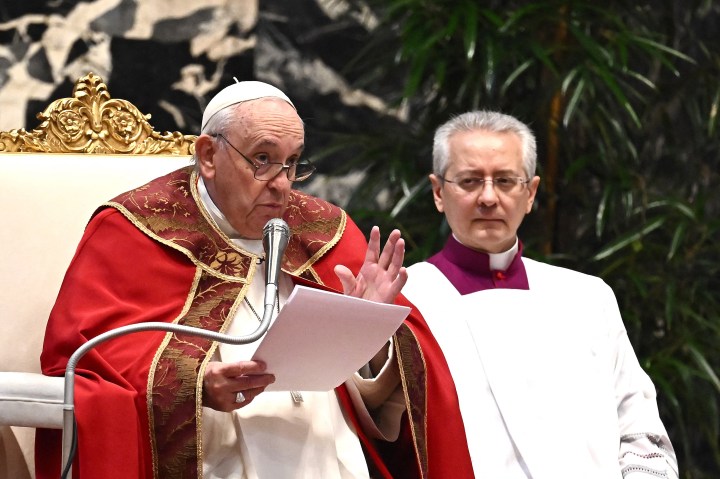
(485, 220)
(264, 130)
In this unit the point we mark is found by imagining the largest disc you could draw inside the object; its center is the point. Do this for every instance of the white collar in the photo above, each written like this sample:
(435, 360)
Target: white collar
(251, 245)
(499, 261)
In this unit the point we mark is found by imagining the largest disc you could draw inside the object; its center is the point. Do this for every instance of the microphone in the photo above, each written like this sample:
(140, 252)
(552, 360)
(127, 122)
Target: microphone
(276, 234)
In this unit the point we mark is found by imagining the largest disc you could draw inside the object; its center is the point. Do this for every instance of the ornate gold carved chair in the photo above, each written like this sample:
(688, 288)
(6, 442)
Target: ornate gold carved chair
(86, 150)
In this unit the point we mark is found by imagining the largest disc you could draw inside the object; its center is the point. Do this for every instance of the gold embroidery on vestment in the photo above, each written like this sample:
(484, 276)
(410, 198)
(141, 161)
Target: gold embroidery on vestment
(152, 371)
(403, 349)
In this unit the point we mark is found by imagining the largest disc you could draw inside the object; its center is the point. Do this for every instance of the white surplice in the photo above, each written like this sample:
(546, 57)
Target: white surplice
(548, 384)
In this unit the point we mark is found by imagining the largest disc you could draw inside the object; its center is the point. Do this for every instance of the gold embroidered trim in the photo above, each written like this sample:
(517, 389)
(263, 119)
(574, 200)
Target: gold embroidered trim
(321, 252)
(403, 351)
(153, 366)
(311, 271)
(207, 268)
(212, 304)
(203, 365)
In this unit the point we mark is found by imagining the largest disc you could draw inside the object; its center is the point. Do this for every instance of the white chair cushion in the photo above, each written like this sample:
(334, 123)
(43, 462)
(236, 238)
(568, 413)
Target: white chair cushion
(31, 400)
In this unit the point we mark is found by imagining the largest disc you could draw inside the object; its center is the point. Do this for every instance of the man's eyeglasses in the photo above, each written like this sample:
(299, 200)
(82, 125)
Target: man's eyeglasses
(269, 170)
(502, 184)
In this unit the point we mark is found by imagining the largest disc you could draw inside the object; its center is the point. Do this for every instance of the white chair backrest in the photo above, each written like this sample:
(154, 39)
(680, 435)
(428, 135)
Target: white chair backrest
(87, 150)
(45, 202)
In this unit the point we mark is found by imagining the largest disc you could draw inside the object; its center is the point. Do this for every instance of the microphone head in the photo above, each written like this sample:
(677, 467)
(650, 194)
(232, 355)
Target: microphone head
(275, 230)
(276, 234)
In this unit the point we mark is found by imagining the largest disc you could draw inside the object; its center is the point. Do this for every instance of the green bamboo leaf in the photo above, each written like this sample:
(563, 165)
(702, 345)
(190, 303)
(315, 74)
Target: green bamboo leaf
(514, 75)
(452, 24)
(489, 67)
(600, 214)
(628, 239)
(619, 263)
(667, 391)
(659, 56)
(713, 114)
(688, 312)
(618, 138)
(622, 51)
(411, 195)
(657, 46)
(681, 207)
(494, 18)
(677, 239)
(641, 78)
(417, 75)
(573, 102)
(670, 305)
(617, 92)
(471, 25)
(431, 41)
(595, 49)
(543, 55)
(440, 71)
(531, 10)
(399, 6)
(704, 365)
(567, 81)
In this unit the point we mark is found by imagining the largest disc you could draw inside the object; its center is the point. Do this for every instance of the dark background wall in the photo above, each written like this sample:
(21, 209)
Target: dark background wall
(170, 57)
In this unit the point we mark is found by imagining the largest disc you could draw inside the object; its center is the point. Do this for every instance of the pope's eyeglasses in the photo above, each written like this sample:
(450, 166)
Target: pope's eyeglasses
(269, 170)
(501, 184)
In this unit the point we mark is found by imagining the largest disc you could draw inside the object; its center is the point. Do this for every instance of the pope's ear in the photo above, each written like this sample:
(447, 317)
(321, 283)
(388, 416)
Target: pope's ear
(205, 149)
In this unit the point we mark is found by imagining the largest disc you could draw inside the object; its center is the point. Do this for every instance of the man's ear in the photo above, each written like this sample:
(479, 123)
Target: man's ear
(437, 191)
(532, 188)
(205, 149)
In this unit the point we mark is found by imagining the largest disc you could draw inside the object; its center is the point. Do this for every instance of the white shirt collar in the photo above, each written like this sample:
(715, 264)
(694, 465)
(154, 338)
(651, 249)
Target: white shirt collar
(499, 261)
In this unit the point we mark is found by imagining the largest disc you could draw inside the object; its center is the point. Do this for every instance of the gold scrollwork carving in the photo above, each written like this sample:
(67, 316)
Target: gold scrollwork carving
(93, 122)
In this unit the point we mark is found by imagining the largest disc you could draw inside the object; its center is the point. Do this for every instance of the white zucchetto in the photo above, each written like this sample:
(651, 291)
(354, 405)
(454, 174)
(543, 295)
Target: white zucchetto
(239, 92)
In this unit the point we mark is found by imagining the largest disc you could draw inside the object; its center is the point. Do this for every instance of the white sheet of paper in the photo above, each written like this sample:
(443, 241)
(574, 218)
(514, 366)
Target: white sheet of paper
(320, 339)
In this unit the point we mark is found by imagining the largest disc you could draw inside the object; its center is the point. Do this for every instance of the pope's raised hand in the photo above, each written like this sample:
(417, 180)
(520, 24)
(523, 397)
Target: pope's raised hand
(382, 274)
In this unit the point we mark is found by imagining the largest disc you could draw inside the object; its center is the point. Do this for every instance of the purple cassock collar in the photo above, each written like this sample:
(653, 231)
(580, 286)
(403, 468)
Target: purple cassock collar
(469, 270)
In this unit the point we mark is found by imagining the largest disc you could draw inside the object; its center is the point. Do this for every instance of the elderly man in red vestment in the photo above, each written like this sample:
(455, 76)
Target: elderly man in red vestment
(542, 372)
(185, 248)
